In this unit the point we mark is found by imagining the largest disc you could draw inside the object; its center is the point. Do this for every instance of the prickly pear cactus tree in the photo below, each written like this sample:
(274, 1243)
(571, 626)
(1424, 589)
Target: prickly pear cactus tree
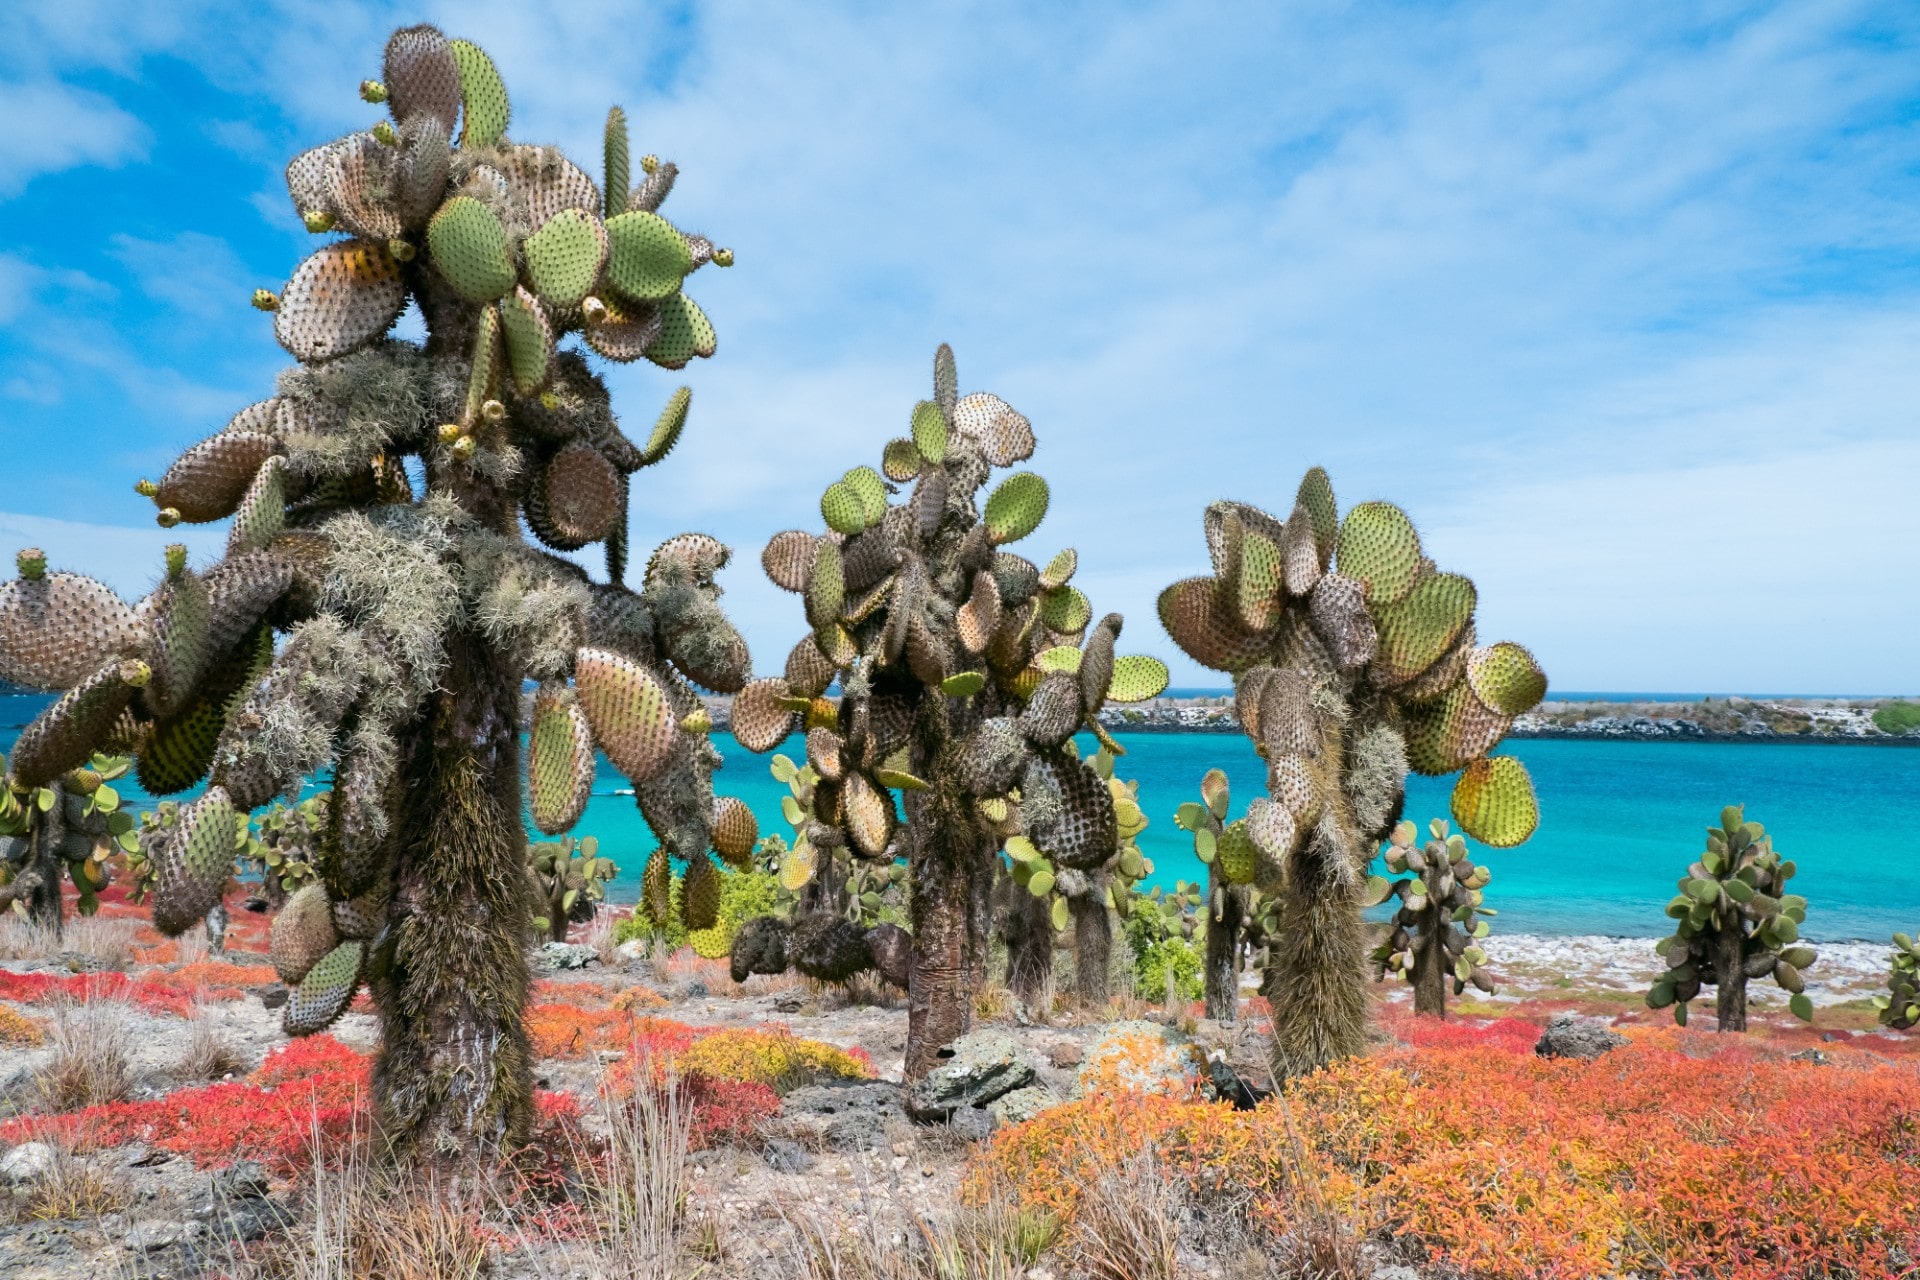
(68, 829)
(376, 506)
(1046, 897)
(1229, 855)
(1735, 921)
(1900, 1007)
(568, 881)
(1438, 927)
(1354, 660)
(964, 669)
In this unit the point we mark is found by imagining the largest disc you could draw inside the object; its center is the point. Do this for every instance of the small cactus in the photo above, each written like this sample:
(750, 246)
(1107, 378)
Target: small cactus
(1354, 660)
(69, 829)
(1437, 930)
(567, 878)
(1735, 921)
(1900, 1007)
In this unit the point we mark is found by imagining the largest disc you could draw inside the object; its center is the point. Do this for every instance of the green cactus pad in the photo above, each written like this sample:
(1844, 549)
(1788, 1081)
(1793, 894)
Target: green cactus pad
(193, 860)
(901, 460)
(842, 509)
(761, 721)
(178, 753)
(1494, 803)
(1062, 657)
(631, 715)
(1015, 507)
(326, 992)
(1065, 610)
(207, 481)
(735, 831)
(1236, 855)
(1379, 548)
(529, 340)
(341, 298)
(656, 887)
(1506, 678)
(615, 156)
(65, 735)
(303, 934)
(483, 95)
(1192, 614)
(1137, 677)
(930, 431)
(1257, 586)
(826, 592)
(667, 428)
(262, 514)
(565, 255)
(57, 629)
(469, 247)
(1415, 632)
(871, 489)
(646, 257)
(1315, 496)
(685, 332)
(560, 760)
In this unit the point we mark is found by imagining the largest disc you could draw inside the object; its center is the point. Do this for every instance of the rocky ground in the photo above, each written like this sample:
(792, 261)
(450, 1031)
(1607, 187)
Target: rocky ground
(868, 1161)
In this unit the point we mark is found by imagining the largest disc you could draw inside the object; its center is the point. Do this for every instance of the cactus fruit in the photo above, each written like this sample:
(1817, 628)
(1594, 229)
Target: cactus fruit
(1354, 660)
(1436, 932)
(567, 878)
(895, 599)
(1899, 1009)
(413, 609)
(1734, 921)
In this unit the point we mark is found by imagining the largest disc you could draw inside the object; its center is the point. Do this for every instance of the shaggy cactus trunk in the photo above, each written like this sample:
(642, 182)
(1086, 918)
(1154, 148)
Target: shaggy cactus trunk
(1430, 970)
(1092, 944)
(42, 876)
(1730, 973)
(1224, 922)
(946, 860)
(1028, 932)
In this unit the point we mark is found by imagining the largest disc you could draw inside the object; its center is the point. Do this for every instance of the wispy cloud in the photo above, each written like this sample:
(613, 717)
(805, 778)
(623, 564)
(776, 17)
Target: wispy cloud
(53, 126)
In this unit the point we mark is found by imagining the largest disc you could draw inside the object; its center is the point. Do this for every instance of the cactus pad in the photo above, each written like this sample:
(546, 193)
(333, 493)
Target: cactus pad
(734, 831)
(685, 332)
(65, 735)
(421, 76)
(57, 629)
(1236, 855)
(700, 893)
(207, 481)
(581, 496)
(564, 257)
(303, 934)
(826, 586)
(1379, 549)
(760, 720)
(870, 818)
(193, 860)
(528, 338)
(788, 559)
(842, 510)
(262, 514)
(560, 760)
(469, 247)
(1192, 614)
(1087, 832)
(1015, 507)
(667, 427)
(929, 430)
(482, 94)
(326, 992)
(339, 299)
(1416, 631)
(901, 460)
(1315, 497)
(1506, 678)
(1002, 435)
(1257, 584)
(646, 258)
(179, 750)
(625, 332)
(1338, 607)
(975, 621)
(632, 718)
(1136, 678)
(656, 887)
(1494, 803)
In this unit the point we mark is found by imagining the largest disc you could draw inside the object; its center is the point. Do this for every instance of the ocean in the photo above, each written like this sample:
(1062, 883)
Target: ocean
(1620, 821)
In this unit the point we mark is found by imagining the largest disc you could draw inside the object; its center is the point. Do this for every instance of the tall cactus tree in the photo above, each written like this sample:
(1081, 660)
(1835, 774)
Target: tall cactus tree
(1228, 852)
(376, 505)
(1436, 931)
(964, 669)
(1354, 659)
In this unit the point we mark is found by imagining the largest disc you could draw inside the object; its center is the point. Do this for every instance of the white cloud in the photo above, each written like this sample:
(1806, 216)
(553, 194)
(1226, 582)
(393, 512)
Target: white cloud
(199, 275)
(52, 126)
(131, 560)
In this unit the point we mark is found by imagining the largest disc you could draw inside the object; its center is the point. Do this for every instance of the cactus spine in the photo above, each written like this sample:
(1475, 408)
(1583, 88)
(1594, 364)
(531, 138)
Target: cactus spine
(411, 619)
(1734, 921)
(1436, 930)
(1354, 659)
(965, 669)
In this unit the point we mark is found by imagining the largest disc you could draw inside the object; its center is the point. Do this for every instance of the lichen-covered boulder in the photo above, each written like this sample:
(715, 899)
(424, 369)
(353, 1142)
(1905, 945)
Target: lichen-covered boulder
(1144, 1057)
(972, 1072)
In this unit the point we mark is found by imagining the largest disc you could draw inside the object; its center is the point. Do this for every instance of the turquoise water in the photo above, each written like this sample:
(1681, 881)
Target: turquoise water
(1620, 821)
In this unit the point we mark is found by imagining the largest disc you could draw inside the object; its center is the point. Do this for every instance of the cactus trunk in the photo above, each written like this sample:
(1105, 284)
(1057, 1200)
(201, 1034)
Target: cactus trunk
(948, 859)
(1316, 981)
(1730, 972)
(1092, 944)
(43, 899)
(455, 1079)
(1430, 968)
(1223, 948)
(1029, 936)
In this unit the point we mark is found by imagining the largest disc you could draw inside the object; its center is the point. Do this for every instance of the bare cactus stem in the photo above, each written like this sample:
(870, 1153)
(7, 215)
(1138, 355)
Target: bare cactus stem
(1224, 921)
(1092, 943)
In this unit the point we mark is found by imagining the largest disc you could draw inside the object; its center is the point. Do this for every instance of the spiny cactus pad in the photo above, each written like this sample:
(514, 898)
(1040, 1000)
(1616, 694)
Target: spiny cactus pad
(57, 629)
(325, 992)
(303, 934)
(646, 258)
(1494, 803)
(631, 717)
(560, 760)
(194, 861)
(339, 299)
(470, 249)
(564, 257)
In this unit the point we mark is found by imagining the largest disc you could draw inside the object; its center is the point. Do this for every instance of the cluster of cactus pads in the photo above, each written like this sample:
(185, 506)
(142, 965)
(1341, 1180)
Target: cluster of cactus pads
(964, 670)
(1238, 915)
(67, 829)
(1900, 1007)
(1437, 928)
(567, 879)
(376, 505)
(1354, 660)
(1734, 921)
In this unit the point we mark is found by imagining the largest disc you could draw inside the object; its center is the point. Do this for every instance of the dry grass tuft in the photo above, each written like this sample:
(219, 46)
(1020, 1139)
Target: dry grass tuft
(641, 1187)
(995, 1241)
(211, 1054)
(108, 941)
(1128, 1223)
(71, 1191)
(92, 1056)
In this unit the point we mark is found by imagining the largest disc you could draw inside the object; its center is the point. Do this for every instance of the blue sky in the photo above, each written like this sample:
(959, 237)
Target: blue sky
(1620, 301)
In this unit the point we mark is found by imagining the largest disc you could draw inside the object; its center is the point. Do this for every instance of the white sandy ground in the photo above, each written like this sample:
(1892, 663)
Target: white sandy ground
(1845, 971)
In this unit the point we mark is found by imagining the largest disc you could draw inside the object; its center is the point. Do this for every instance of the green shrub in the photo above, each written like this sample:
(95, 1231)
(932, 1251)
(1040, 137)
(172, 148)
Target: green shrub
(1175, 956)
(743, 895)
(1897, 717)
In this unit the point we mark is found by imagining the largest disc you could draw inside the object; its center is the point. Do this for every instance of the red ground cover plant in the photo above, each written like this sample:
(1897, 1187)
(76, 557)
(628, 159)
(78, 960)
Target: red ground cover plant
(1682, 1154)
(159, 990)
